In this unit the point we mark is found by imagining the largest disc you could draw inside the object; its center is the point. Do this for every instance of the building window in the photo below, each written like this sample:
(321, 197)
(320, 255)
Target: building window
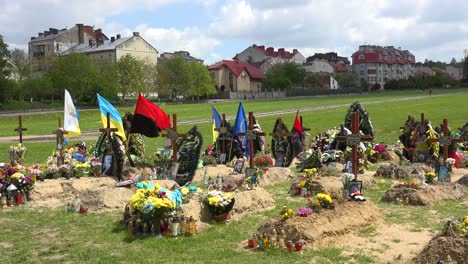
(361, 72)
(371, 71)
(361, 57)
(231, 81)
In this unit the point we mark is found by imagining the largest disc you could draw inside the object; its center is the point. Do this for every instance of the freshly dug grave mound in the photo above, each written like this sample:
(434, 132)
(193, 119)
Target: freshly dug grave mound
(313, 229)
(251, 201)
(212, 171)
(395, 171)
(95, 193)
(443, 247)
(429, 194)
(333, 184)
(275, 175)
(463, 181)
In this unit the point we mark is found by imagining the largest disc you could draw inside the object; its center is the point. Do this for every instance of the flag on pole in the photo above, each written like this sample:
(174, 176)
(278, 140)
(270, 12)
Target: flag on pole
(115, 118)
(240, 126)
(149, 119)
(297, 124)
(71, 117)
(217, 121)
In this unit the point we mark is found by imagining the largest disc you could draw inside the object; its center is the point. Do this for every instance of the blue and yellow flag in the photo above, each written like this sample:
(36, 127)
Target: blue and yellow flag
(217, 121)
(115, 118)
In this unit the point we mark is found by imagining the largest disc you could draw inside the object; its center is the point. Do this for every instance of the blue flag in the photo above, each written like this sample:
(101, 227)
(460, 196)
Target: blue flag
(115, 118)
(216, 120)
(240, 126)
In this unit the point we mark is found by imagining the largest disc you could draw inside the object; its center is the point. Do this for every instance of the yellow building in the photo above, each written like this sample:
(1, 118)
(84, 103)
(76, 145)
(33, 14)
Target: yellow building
(115, 48)
(236, 76)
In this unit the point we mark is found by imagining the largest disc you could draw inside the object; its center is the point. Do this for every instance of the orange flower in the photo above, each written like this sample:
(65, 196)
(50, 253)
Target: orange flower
(317, 204)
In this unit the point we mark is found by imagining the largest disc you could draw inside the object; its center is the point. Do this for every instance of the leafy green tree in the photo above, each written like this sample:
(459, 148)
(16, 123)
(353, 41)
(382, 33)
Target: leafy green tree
(284, 75)
(313, 79)
(131, 75)
(20, 64)
(465, 71)
(202, 83)
(175, 77)
(107, 79)
(5, 65)
(345, 79)
(76, 73)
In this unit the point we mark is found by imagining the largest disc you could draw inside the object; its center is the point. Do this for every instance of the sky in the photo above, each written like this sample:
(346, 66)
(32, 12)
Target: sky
(214, 30)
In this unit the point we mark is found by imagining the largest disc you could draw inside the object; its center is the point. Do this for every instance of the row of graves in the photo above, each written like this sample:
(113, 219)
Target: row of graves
(159, 195)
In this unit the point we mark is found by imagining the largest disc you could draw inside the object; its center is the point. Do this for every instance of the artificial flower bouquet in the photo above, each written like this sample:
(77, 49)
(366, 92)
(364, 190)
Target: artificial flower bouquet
(219, 202)
(320, 201)
(189, 191)
(430, 176)
(263, 162)
(286, 213)
(82, 170)
(304, 211)
(153, 200)
(17, 153)
(461, 226)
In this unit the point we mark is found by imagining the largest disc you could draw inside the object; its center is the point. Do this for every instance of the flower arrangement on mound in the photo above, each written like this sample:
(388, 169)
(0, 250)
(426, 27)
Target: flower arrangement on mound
(189, 191)
(461, 226)
(263, 162)
(219, 202)
(321, 201)
(153, 200)
(17, 153)
(304, 211)
(286, 213)
(430, 176)
(409, 183)
(15, 181)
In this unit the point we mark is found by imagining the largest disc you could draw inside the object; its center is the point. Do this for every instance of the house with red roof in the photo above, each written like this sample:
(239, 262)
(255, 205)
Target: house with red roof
(263, 58)
(236, 76)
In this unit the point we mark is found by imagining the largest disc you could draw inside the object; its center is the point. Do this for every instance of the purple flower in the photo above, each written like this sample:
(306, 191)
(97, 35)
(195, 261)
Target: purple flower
(304, 211)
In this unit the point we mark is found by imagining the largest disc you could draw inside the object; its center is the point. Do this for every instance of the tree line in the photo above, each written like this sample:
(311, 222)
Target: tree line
(83, 77)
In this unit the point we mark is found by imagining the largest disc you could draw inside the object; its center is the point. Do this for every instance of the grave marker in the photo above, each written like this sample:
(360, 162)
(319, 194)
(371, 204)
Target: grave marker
(20, 128)
(445, 140)
(251, 135)
(223, 136)
(59, 133)
(108, 161)
(280, 137)
(353, 140)
(173, 135)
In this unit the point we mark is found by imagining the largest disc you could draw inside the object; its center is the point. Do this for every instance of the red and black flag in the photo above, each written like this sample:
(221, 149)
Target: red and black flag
(297, 124)
(148, 118)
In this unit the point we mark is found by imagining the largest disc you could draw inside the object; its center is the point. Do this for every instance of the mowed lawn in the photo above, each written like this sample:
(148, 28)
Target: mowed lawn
(54, 236)
(386, 117)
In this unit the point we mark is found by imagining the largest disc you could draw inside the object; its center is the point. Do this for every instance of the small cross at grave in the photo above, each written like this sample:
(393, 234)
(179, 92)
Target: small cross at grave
(353, 140)
(423, 123)
(251, 135)
(280, 137)
(445, 140)
(59, 134)
(303, 128)
(224, 135)
(172, 135)
(20, 128)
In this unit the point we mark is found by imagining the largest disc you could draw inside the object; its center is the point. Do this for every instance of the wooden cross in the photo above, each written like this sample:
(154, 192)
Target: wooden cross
(303, 128)
(423, 123)
(251, 135)
(20, 128)
(173, 136)
(59, 133)
(445, 140)
(108, 129)
(223, 133)
(353, 140)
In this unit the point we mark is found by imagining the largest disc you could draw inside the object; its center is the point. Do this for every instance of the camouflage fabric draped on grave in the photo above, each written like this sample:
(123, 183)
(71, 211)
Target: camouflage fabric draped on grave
(285, 146)
(135, 145)
(189, 154)
(365, 124)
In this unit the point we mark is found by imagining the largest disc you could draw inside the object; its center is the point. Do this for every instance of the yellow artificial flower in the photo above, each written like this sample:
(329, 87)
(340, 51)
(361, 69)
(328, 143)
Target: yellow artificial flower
(302, 183)
(227, 195)
(184, 191)
(199, 190)
(213, 200)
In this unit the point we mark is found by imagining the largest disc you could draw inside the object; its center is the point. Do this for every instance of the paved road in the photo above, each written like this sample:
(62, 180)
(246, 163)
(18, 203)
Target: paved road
(93, 134)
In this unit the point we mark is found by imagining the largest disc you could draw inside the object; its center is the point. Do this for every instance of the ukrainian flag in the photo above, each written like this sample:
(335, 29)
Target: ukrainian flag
(115, 118)
(217, 121)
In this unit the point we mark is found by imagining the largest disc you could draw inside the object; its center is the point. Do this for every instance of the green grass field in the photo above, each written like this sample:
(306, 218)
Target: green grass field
(386, 117)
(54, 236)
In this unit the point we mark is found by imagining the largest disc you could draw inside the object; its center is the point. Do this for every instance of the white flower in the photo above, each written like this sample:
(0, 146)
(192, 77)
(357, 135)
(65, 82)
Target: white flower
(450, 161)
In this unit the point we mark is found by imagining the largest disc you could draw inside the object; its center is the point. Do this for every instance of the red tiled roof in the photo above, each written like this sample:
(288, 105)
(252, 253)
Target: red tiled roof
(94, 33)
(237, 67)
(341, 67)
(272, 53)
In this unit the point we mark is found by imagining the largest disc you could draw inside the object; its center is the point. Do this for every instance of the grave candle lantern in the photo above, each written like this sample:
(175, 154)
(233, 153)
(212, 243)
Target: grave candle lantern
(289, 245)
(298, 246)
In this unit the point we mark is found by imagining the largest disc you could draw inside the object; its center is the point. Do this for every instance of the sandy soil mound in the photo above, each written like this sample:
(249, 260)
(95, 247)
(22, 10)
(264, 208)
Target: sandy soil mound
(333, 184)
(95, 193)
(212, 171)
(425, 195)
(396, 171)
(246, 202)
(444, 247)
(463, 181)
(275, 175)
(312, 230)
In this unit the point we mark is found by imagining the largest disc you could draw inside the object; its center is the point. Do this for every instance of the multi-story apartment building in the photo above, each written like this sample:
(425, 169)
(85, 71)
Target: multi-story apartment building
(179, 54)
(331, 57)
(263, 58)
(55, 41)
(377, 64)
